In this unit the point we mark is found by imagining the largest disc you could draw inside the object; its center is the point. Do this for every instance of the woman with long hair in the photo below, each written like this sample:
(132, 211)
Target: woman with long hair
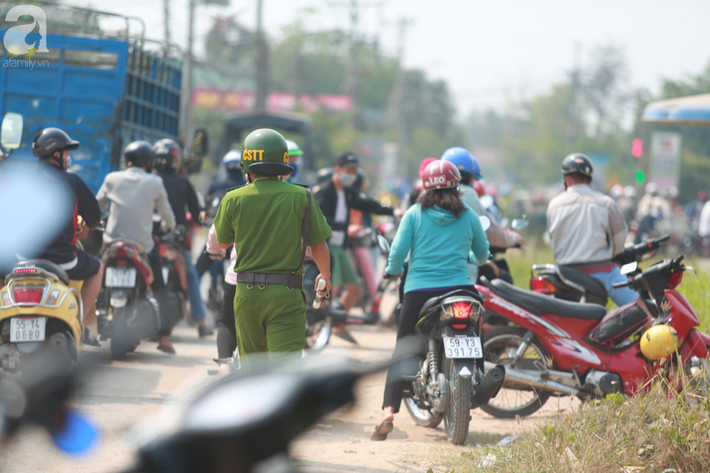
(441, 235)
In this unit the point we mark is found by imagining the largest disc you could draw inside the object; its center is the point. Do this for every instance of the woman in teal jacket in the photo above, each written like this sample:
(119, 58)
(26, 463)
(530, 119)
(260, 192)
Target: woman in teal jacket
(441, 235)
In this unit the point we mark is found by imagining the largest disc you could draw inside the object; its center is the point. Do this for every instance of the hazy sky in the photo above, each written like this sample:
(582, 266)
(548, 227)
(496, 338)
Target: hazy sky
(490, 52)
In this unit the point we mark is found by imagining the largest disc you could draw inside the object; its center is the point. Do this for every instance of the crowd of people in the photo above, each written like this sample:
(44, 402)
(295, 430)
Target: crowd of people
(267, 227)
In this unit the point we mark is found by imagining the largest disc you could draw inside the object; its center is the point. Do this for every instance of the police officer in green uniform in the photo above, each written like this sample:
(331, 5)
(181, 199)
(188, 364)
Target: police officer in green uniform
(265, 220)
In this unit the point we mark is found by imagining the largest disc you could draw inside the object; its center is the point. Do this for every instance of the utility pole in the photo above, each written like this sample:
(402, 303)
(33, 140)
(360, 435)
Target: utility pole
(166, 20)
(396, 102)
(572, 110)
(354, 6)
(262, 61)
(187, 81)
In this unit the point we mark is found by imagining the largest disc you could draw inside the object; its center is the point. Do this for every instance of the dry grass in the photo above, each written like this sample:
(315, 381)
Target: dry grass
(655, 433)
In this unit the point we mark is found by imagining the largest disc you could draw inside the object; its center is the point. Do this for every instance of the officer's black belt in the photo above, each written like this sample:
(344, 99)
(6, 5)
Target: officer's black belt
(262, 279)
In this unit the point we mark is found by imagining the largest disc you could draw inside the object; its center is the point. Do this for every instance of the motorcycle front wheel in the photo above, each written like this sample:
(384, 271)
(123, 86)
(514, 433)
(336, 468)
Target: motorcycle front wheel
(422, 417)
(499, 348)
(458, 410)
(697, 386)
(318, 334)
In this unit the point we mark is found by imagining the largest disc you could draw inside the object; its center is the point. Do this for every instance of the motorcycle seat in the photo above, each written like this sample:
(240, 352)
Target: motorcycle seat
(45, 265)
(593, 286)
(539, 303)
(434, 301)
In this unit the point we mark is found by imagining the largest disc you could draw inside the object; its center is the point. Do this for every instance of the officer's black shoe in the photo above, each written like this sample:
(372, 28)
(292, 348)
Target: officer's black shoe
(204, 331)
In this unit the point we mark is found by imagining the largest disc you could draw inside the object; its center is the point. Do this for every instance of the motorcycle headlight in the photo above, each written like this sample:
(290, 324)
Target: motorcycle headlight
(119, 298)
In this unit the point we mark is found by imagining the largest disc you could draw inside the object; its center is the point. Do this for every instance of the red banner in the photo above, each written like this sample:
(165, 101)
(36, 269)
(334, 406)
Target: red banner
(209, 98)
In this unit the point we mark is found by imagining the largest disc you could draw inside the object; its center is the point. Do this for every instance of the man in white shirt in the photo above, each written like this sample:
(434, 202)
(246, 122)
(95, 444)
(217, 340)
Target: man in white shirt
(587, 228)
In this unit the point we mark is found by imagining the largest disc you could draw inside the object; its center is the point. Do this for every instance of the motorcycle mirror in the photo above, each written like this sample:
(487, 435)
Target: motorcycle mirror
(487, 201)
(384, 244)
(11, 130)
(504, 222)
(485, 222)
(629, 268)
(519, 224)
(201, 143)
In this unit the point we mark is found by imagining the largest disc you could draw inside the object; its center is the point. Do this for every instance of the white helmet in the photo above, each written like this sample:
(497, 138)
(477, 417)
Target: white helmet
(232, 161)
(630, 192)
(616, 191)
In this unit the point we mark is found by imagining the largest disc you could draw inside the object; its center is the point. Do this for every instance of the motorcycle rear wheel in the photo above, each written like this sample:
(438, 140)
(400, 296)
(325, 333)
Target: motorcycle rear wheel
(457, 414)
(500, 343)
(422, 417)
(120, 337)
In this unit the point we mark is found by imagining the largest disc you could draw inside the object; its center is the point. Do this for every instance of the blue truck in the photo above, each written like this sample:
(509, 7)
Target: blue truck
(104, 91)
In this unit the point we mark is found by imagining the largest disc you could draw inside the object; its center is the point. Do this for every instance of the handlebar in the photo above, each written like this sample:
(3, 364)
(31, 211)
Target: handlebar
(636, 252)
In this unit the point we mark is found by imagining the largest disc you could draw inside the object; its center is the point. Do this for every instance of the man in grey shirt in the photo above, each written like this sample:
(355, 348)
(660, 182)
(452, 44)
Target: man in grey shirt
(587, 228)
(132, 196)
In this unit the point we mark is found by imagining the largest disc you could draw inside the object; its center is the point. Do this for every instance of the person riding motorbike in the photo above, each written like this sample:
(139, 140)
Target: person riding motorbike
(226, 324)
(587, 228)
(132, 196)
(442, 235)
(497, 235)
(336, 197)
(182, 197)
(417, 187)
(52, 147)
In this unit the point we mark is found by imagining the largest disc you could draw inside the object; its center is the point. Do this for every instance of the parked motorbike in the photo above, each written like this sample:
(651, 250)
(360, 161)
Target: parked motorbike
(573, 285)
(578, 349)
(126, 309)
(41, 319)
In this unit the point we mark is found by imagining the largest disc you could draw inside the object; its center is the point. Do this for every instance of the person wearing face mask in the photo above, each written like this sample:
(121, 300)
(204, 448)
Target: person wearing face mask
(52, 147)
(336, 197)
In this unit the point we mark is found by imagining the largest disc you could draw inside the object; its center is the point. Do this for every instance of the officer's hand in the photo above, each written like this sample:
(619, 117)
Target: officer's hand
(328, 285)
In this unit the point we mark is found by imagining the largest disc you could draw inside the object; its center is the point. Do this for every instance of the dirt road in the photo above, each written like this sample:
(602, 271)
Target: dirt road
(122, 393)
(341, 441)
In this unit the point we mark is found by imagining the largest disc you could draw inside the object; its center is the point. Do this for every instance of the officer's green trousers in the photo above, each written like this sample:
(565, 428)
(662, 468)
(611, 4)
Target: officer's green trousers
(271, 320)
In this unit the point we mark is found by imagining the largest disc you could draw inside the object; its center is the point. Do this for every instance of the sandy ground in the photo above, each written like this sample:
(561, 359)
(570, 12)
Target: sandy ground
(341, 441)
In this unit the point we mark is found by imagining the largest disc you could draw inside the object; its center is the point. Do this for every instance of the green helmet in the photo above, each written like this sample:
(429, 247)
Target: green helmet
(265, 152)
(293, 149)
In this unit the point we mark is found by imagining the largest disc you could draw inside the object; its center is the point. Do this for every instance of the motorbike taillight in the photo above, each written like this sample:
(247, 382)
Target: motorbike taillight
(28, 295)
(461, 310)
(675, 280)
(542, 285)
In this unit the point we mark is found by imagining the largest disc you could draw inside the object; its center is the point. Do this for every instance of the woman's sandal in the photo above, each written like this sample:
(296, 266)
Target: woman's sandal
(381, 431)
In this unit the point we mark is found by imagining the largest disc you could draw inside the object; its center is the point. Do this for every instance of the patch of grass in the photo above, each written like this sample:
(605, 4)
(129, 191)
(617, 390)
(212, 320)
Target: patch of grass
(655, 432)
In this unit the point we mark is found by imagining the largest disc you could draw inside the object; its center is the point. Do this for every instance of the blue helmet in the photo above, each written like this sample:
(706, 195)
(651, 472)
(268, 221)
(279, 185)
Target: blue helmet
(233, 160)
(463, 160)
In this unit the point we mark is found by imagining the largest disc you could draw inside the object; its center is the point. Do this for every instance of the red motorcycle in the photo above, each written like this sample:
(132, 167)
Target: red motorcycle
(577, 349)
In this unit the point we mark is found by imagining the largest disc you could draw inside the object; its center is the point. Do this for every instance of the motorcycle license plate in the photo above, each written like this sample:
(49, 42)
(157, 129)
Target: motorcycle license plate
(463, 347)
(120, 277)
(27, 330)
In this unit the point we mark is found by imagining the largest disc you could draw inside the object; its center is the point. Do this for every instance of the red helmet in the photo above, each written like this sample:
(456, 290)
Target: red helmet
(480, 187)
(441, 175)
(425, 162)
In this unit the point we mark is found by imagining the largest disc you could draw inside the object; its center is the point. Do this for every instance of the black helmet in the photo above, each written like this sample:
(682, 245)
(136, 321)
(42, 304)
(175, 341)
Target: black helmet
(139, 153)
(324, 175)
(577, 162)
(168, 155)
(50, 140)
